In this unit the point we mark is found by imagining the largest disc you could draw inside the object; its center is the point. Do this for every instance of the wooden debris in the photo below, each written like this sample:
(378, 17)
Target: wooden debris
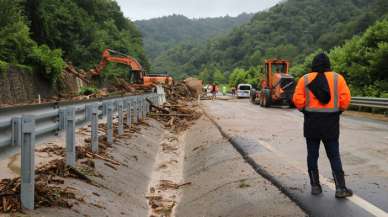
(177, 115)
(53, 149)
(179, 111)
(110, 165)
(167, 184)
(92, 155)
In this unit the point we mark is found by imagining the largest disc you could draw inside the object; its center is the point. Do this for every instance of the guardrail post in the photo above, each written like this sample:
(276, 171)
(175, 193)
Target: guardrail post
(70, 136)
(28, 163)
(148, 104)
(62, 119)
(109, 117)
(129, 111)
(136, 111)
(145, 107)
(104, 108)
(16, 131)
(88, 112)
(141, 107)
(121, 117)
(94, 128)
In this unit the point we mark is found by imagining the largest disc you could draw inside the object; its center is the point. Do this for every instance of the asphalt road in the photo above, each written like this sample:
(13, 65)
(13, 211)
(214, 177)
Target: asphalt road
(272, 141)
(222, 183)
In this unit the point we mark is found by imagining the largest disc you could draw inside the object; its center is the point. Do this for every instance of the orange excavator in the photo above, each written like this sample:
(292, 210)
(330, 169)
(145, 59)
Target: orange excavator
(137, 75)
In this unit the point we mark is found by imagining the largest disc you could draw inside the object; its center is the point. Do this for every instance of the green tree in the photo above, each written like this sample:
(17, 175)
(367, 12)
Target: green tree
(15, 41)
(219, 77)
(204, 75)
(363, 61)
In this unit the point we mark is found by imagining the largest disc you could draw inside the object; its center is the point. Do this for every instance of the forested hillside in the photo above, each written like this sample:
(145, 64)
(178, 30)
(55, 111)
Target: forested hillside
(161, 34)
(292, 30)
(41, 35)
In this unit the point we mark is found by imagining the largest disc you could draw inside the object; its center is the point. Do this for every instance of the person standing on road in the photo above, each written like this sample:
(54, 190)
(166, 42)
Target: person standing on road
(233, 91)
(214, 91)
(322, 96)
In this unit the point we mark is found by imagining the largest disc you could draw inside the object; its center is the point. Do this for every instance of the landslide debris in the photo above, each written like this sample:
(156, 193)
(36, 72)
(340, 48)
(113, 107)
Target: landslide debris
(180, 110)
(177, 114)
(50, 188)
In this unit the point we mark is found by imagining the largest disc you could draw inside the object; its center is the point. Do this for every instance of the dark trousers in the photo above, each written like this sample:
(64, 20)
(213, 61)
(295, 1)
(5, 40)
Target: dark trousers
(332, 152)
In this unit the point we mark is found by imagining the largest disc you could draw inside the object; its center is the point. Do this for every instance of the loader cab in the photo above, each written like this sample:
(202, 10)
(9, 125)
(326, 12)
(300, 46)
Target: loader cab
(277, 86)
(273, 70)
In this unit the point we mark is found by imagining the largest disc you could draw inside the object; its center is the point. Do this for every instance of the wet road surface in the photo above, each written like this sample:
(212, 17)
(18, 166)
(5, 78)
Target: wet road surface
(273, 139)
(223, 184)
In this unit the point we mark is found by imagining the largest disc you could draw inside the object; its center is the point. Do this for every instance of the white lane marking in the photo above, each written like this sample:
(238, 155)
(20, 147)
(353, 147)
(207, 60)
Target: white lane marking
(372, 209)
(364, 204)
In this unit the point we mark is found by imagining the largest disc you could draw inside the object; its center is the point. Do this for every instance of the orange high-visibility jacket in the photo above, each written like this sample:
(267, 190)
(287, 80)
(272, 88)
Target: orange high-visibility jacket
(305, 100)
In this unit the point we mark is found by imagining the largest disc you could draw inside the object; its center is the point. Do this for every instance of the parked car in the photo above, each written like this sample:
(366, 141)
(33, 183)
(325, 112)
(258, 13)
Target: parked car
(243, 90)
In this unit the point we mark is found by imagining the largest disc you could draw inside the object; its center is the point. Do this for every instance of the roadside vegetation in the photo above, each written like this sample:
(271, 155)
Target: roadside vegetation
(43, 35)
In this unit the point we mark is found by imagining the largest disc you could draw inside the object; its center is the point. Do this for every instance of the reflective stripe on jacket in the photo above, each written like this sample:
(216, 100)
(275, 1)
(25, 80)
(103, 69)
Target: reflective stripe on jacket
(305, 100)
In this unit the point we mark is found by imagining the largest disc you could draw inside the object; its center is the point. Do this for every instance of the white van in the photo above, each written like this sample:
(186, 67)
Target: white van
(243, 90)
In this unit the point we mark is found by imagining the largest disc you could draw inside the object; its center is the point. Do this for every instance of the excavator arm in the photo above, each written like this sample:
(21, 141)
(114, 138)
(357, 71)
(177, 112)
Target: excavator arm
(107, 57)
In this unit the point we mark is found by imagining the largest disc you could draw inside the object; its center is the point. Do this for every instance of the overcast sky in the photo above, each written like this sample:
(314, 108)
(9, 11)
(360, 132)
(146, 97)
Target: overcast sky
(146, 9)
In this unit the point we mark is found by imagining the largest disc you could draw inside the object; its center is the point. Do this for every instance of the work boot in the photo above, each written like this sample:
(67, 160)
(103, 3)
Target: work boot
(314, 181)
(341, 190)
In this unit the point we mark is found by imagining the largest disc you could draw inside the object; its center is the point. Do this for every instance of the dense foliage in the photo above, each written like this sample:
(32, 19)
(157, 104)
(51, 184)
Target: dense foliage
(162, 34)
(364, 61)
(44, 33)
(17, 47)
(293, 30)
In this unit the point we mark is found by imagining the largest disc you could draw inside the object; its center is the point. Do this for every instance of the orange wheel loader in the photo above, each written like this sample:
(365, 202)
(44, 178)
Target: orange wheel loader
(277, 87)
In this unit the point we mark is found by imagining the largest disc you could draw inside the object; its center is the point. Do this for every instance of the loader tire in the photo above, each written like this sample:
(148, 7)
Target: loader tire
(266, 101)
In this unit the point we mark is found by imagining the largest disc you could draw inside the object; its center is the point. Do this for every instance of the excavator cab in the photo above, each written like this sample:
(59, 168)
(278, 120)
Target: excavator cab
(135, 77)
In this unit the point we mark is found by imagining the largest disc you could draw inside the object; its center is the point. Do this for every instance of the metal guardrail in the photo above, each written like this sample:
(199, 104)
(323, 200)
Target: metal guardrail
(22, 126)
(370, 102)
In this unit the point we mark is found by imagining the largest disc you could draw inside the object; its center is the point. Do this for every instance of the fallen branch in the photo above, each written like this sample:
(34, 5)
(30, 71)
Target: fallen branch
(104, 158)
(110, 165)
(79, 174)
(184, 184)
(157, 107)
(170, 115)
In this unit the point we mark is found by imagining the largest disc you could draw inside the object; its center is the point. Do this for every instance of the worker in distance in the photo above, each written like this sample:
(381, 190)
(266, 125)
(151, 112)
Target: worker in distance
(322, 96)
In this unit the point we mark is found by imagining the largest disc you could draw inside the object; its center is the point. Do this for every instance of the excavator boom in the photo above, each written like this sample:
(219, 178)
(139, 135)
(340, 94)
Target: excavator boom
(122, 59)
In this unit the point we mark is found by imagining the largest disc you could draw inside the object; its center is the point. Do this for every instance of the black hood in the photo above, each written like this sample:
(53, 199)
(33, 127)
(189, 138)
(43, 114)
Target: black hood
(321, 63)
(320, 86)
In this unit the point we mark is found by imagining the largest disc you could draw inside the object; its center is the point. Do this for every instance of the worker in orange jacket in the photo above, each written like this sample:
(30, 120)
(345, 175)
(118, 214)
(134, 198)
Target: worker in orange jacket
(322, 96)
